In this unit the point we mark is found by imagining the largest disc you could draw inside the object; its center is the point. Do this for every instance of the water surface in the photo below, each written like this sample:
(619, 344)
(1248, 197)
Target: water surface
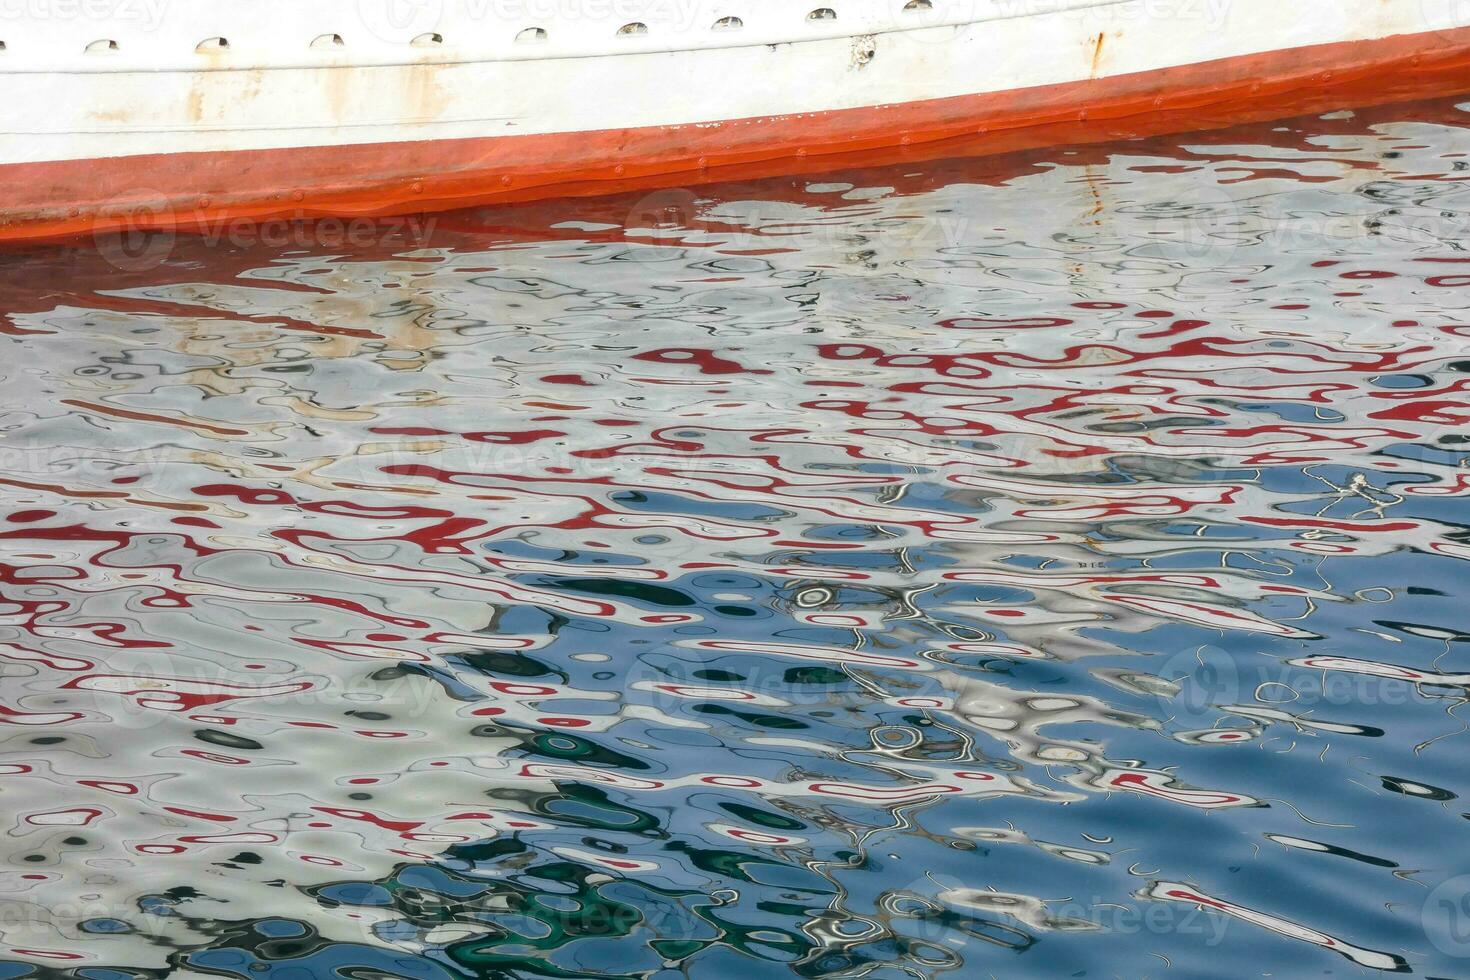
(1043, 566)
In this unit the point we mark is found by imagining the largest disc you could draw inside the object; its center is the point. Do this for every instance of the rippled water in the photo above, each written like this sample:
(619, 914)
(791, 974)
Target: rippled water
(1043, 566)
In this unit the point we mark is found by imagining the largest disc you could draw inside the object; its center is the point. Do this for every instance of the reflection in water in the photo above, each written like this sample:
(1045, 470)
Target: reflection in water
(1037, 566)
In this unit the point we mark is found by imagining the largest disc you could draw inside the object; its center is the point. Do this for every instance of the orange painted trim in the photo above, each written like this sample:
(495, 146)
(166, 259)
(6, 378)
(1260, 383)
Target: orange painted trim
(197, 191)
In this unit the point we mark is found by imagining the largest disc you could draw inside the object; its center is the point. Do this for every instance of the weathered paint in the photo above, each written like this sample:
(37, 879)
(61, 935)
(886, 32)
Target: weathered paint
(159, 133)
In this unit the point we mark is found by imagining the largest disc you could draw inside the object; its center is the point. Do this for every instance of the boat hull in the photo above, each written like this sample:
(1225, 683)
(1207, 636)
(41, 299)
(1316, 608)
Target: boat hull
(189, 146)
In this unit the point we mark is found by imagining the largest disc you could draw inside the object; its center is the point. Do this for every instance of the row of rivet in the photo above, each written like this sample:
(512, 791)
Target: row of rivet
(530, 35)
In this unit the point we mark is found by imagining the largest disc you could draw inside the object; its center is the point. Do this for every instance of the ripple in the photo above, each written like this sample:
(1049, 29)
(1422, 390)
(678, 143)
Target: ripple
(877, 575)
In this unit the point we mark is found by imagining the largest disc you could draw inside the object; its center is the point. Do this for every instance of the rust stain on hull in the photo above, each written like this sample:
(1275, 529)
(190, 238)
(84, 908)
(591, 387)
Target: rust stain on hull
(75, 198)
